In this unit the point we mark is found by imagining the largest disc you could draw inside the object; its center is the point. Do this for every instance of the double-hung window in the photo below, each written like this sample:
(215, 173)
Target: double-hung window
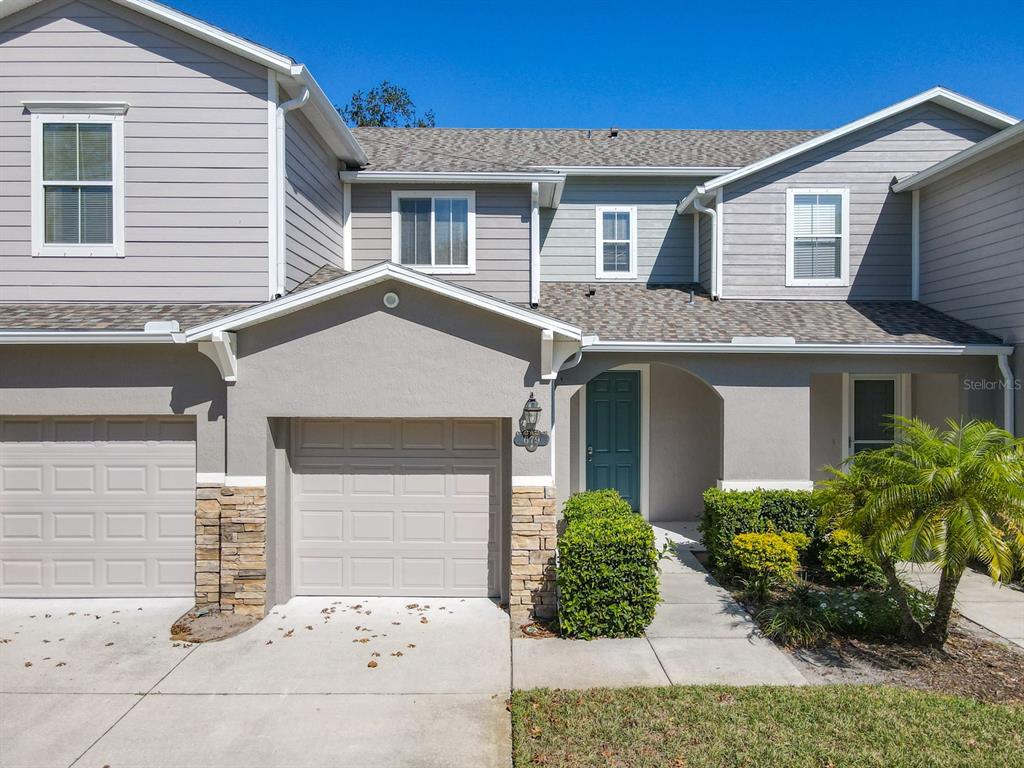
(77, 182)
(616, 241)
(434, 231)
(818, 237)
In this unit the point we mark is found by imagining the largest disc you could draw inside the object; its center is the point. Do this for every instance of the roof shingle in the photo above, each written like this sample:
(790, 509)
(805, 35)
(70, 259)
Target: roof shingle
(636, 312)
(517, 149)
(108, 317)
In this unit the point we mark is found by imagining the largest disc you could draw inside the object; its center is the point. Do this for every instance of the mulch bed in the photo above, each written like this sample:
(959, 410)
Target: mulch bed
(971, 664)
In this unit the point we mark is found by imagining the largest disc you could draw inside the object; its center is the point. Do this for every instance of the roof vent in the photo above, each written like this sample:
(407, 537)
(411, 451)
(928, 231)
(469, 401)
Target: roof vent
(161, 326)
(613, 132)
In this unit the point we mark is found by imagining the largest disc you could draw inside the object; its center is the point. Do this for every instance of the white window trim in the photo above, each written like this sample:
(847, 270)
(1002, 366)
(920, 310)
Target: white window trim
(599, 241)
(903, 387)
(434, 269)
(844, 239)
(78, 113)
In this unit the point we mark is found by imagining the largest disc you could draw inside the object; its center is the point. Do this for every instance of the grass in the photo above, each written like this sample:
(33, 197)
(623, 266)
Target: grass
(698, 726)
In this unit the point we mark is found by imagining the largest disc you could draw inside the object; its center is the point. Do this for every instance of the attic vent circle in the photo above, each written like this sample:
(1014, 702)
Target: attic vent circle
(390, 299)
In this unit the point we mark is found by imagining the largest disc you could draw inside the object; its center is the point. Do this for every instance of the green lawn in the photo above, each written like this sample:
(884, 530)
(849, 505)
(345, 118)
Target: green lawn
(693, 727)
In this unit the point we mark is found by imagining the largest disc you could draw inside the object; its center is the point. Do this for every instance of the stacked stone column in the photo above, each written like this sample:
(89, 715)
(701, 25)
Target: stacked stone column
(534, 543)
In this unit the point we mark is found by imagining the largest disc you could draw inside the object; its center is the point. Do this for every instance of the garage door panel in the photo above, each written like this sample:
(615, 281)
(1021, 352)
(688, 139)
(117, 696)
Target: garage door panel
(97, 506)
(395, 523)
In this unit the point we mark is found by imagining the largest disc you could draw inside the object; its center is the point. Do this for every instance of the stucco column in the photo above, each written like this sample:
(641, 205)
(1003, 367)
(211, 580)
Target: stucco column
(766, 434)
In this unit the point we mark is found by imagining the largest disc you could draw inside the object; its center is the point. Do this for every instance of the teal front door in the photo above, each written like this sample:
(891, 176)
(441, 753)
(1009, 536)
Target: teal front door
(613, 434)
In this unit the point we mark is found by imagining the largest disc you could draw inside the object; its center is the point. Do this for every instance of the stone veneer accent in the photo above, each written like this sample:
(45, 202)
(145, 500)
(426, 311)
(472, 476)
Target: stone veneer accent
(231, 549)
(534, 542)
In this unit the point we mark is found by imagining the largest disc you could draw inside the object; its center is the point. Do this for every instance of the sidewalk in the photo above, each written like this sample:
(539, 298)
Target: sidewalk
(699, 635)
(998, 608)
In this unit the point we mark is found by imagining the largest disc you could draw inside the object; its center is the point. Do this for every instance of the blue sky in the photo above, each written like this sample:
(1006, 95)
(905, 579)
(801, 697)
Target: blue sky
(644, 64)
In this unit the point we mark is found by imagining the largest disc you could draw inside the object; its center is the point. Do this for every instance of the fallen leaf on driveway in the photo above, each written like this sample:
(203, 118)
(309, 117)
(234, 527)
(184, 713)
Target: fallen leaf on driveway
(269, 642)
(289, 633)
(309, 626)
(61, 664)
(411, 645)
(423, 620)
(28, 663)
(372, 664)
(375, 655)
(396, 623)
(397, 653)
(107, 645)
(412, 606)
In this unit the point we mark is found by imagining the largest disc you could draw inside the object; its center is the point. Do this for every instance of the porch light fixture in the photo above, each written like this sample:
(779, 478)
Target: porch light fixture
(528, 436)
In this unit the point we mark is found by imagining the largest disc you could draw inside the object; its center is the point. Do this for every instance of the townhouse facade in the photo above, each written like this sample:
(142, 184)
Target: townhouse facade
(247, 352)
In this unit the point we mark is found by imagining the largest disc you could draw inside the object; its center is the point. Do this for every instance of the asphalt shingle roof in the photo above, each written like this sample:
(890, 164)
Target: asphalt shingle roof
(636, 312)
(108, 317)
(516, 149)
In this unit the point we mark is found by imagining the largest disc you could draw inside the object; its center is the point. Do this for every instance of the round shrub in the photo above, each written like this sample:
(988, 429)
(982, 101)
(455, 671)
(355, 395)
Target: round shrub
(595, 503)
(763, 555)
(607, 575)
(727, 513)
(845, 560)
(801, 541)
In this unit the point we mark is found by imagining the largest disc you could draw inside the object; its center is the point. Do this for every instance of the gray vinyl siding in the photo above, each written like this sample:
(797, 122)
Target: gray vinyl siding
(313, 203)
(664, 239)
(502, 235)
(865, 162)
(972, 244)
(705, 228)
(195, 157)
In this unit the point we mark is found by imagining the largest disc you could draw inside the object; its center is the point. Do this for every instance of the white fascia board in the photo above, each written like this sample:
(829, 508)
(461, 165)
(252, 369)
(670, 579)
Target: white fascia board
(478, 177)
(796, 349)
(986, 148)
(938, 95)
(637, 170)
(697, 193)
(89, 337)
(371, 276)
(326, 118)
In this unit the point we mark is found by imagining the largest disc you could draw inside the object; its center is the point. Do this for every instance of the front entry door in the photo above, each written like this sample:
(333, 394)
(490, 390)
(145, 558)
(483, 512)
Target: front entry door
(613, 434)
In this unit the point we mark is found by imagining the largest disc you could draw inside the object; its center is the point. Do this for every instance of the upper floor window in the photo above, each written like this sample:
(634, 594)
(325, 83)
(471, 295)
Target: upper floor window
(434, 231)
(616, 241)
(817, 237)
(77, 183)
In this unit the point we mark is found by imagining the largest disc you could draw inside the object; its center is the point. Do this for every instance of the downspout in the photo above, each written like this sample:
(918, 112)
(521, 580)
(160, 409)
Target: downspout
(1008, 392)
(701, 208)
(280, 152)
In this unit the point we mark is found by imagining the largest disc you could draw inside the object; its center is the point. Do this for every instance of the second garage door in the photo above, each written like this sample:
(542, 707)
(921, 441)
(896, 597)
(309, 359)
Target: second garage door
(396, 507)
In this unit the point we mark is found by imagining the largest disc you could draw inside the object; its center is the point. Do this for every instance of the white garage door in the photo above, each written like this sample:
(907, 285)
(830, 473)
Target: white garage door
(396, 507)
(97, 507)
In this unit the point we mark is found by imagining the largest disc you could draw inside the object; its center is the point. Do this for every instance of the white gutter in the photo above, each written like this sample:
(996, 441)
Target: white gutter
(337, 134)
(280, 247)
(701, 208)
(90, 337)
(695, 193)
(637, 170)
(1009, 420)
(776, 348)
(479, 177)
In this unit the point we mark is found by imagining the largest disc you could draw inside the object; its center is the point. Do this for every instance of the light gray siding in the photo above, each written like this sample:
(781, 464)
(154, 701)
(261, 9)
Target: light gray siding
(664, 239)
(195, 157)
(502, 236)
(972, 244)
(705, 227)
(313, 203)
(754, 217)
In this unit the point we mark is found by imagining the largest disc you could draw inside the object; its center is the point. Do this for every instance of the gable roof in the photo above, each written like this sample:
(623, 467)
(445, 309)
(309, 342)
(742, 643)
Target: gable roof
(437, 150)
(938, 95)
(986, 148)
(321, 111)
(354, 281)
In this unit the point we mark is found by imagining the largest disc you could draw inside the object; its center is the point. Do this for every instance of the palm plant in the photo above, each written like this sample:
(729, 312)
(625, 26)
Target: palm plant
(944, 497)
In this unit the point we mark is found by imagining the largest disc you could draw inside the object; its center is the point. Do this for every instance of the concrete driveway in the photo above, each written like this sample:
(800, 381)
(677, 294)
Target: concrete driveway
(321, 681)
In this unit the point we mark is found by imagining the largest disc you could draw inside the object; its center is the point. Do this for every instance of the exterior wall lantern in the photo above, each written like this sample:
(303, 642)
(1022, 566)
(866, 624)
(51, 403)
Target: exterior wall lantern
(528, 436)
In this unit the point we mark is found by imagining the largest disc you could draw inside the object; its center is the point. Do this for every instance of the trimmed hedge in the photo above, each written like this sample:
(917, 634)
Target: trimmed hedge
(753, 555)
(607, 569)
(594, 503)
(729, 513)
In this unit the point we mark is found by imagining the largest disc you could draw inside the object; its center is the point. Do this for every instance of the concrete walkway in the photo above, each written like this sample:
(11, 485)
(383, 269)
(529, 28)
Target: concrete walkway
(98, 682)
(998, 608)
(699, 635)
